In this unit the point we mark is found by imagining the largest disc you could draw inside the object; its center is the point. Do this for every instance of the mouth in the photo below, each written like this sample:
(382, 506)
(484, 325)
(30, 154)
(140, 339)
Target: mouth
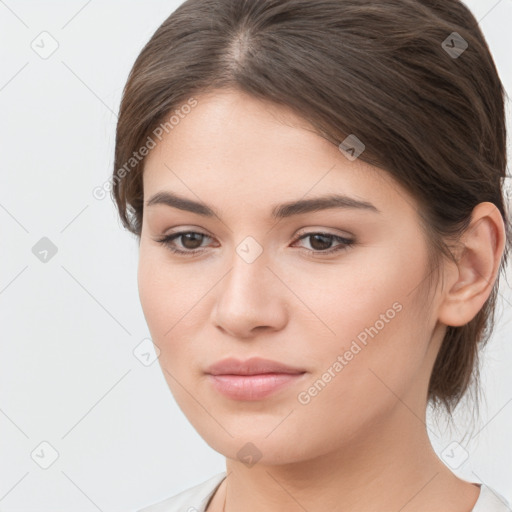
(254, 386)
(252, 366)
(253, 379)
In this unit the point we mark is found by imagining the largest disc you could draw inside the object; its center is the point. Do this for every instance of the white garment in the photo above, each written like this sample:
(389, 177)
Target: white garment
(196, 498)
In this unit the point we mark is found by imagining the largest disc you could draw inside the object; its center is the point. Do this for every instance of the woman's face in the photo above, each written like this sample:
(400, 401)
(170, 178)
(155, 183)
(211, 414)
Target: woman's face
(350, 322)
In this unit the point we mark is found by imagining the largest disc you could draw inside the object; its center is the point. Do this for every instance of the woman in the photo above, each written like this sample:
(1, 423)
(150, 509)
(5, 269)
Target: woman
(316, 187)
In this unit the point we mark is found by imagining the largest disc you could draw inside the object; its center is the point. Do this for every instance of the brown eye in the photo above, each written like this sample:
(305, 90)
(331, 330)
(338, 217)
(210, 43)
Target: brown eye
(322, 243)
(191, 242)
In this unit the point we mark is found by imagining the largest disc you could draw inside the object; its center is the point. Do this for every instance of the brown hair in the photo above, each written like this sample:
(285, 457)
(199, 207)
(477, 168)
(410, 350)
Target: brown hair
(427, 104)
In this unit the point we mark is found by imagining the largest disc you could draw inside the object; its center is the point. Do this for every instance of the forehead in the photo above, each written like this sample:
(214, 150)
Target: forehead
(234, 123)
(235, 147)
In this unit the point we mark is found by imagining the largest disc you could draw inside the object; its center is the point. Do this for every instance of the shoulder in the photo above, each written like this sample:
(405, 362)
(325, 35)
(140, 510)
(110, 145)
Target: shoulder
(491, 501)
(193, 499)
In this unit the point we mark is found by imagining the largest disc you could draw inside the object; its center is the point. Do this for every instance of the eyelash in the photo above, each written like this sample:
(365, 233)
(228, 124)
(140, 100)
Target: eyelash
(345, 243)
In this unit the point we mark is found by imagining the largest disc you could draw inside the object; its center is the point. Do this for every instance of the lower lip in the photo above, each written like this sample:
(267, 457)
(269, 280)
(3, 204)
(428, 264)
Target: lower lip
(252, 387)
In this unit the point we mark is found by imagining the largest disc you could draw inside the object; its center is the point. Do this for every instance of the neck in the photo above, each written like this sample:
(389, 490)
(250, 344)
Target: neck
(389, 466)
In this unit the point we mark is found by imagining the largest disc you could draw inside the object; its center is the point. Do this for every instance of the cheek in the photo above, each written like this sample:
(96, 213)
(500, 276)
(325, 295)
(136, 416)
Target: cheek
(349, 297)
(371, 317)
(172, 298)
(152, 293)
(375, 356)
(159, 296)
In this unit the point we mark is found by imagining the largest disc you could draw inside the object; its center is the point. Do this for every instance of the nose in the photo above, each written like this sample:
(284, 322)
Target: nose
(250, 299)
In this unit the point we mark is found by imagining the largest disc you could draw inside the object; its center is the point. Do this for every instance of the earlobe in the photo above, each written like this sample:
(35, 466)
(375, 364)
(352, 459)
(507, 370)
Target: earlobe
(471, 282)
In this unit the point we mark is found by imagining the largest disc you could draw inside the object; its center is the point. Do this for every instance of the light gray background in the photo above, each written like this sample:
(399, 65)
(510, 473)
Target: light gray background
(69, 376)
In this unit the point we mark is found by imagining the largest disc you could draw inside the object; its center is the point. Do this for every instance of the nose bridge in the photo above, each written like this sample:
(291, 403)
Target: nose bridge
(249, 273)
(247, 297)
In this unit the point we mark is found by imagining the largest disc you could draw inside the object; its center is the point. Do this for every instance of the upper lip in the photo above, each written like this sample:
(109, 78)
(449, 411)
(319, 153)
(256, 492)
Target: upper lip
(252, 366)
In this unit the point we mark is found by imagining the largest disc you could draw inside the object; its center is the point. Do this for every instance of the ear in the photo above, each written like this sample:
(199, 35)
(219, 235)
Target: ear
(470, 282)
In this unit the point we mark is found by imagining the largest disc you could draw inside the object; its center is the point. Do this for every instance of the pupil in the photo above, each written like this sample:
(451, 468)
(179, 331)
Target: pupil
(191, 237)
(325, 245)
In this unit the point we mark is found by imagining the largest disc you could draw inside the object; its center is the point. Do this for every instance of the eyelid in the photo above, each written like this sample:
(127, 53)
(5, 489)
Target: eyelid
(186, 228)
(344, 243)
(324, 231)
(304, 231)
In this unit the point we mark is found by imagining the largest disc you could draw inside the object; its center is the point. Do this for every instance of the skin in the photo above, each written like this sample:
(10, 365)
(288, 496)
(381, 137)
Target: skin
(362, 441)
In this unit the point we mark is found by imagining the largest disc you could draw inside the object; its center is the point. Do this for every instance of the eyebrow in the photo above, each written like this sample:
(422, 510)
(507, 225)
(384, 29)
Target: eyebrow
(279, 211)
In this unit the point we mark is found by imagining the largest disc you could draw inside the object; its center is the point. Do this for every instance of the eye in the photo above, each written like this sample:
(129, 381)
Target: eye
(191, 242)
(322, 243)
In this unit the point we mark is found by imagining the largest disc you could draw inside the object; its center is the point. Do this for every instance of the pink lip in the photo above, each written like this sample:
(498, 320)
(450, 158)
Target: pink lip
(253, 379)
(252, 387)
(252, 366)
